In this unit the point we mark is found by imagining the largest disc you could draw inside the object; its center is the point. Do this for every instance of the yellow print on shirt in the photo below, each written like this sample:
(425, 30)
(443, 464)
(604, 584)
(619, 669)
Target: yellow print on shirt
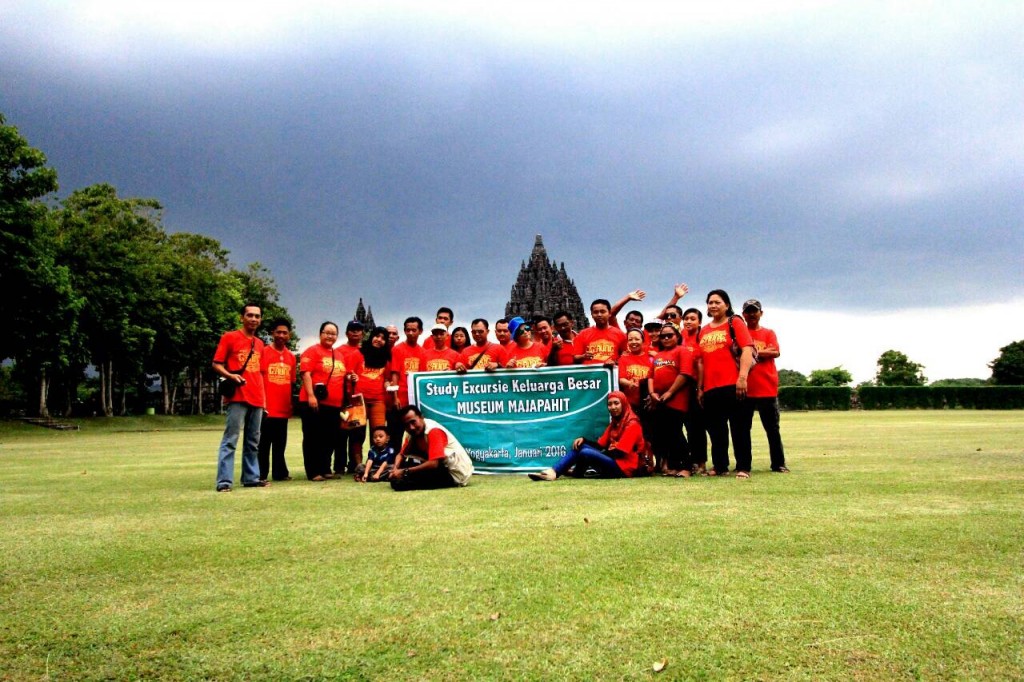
(713, 340)
(373, 373)
(601, 349)
(412, 364)
(527, 362)
(279, 373)
(484, 361)
(254, 361)
(437, 365)
(333, 363)
(637, 372)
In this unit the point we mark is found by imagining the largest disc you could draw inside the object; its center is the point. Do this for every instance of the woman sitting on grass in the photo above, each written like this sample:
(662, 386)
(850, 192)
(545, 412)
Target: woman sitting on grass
(616, 454)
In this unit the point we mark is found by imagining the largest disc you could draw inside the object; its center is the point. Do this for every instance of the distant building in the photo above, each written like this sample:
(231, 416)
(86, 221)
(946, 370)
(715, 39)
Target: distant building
(544, 289)
(365, 315)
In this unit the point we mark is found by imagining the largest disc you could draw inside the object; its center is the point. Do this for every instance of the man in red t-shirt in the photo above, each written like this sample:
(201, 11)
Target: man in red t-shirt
(278, 367)
(437, 356)
(406, 357)
(431, 457)
(601, 344)
(562, 343)
(237, 359)
(763, 385)
(481, 354)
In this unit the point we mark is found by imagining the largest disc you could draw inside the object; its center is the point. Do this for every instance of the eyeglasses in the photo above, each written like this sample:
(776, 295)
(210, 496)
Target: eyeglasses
(671, 314)
(669, 335)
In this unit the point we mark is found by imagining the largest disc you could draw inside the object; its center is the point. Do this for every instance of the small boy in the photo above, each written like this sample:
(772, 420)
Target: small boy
(379, 459)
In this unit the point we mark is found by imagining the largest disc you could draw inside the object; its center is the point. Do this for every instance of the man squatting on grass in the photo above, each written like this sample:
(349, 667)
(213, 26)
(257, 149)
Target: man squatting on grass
(242, 349)
(431, 457)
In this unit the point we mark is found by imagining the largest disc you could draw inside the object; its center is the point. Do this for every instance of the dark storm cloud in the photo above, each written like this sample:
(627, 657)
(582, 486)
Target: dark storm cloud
(412, 164)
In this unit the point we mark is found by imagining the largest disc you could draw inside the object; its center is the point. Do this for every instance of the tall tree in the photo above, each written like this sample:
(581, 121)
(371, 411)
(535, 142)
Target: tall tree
(111, 247)
(1008, 368)
(198, 298)
(896, 369)
(39, 306)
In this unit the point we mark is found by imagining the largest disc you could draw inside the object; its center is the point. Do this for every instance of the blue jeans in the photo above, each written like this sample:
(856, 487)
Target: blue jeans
(588, 457)
(239, 416)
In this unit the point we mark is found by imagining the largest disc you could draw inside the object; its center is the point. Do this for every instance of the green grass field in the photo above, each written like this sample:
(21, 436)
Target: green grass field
(893, 551)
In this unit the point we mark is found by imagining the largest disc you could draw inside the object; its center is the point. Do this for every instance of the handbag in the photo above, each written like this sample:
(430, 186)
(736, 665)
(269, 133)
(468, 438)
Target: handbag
(228, 387)
(354, 414)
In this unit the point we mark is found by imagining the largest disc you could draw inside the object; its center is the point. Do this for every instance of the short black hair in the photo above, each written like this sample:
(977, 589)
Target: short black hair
(280, 322)
(480, 320)
(562, 313)
(417, 320)
(252, 305)
(406, 409)
(601, 301)
(700, 315)
(379, 427)
(445, 309)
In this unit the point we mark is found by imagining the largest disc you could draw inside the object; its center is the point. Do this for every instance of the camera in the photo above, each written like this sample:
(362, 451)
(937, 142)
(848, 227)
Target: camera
(320, 391)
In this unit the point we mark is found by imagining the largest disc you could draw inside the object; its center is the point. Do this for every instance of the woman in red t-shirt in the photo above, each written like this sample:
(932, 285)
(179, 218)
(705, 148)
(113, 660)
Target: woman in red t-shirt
(634, 368)
(616, 454)
(323, 372)
(671, 371)
(726, 355)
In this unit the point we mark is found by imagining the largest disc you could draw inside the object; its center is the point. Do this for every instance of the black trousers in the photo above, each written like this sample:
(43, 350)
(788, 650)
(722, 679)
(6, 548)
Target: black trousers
(320, 436)
(667, 439)
(273, 439)
(696, 436)
(768, 410)
(431, 479)
(724, 414)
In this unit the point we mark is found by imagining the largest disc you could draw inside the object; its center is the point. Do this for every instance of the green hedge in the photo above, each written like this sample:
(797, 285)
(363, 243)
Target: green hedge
(815, 397)
(941, 397)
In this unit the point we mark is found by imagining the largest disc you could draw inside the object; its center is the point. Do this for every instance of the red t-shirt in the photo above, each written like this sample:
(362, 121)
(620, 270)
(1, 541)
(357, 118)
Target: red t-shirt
(715, 343)
(319, 361)
(630, 443)
(278, 369)
(371, 382)
(439, 360)
(635, 368)
(430, 445)
(606, 344)
(493, 352)
(232, 350)
(406, 359)
(534, 356)
(667, 365)
(763, 380)
(566, 351)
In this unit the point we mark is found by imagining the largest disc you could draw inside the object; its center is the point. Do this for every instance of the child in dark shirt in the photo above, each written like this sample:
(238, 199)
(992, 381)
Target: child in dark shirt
(379, 459)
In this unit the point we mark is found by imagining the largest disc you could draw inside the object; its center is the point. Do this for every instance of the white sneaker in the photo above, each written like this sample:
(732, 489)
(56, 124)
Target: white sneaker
(545, 475)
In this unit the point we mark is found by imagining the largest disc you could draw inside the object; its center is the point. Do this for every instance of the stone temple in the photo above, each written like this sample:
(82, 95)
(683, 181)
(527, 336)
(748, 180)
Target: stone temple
(544, 289)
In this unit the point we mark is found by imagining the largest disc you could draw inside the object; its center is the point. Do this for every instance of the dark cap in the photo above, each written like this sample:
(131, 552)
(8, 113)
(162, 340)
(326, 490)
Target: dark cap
(752, 303)
(354, 325)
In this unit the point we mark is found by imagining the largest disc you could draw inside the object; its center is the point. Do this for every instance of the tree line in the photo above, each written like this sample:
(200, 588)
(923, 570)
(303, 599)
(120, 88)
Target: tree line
(94, 282)
(896, 369)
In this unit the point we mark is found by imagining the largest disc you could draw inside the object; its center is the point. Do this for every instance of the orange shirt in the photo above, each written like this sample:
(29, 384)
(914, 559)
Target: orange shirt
(404, 360)
(492, 352)
(606, 344)
(667, 365)
(634, 368)
(763, 380)
(325, 366)
(232, 350)
(720, 367)
(439, 360)
(534, 356)
(278, 368)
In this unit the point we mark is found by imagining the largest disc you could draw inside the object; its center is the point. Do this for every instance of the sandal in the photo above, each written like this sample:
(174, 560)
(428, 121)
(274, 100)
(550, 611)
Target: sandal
(742, 474)
(683, 473)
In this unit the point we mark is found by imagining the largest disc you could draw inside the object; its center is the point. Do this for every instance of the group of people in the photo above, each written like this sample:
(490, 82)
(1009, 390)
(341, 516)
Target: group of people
(674, 376)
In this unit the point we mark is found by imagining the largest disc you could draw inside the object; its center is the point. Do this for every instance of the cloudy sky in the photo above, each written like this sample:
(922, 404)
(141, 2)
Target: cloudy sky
(857, 166)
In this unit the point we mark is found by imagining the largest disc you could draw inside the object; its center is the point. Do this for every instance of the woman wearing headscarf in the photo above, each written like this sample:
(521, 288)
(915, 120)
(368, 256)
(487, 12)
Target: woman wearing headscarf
(618, 453)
